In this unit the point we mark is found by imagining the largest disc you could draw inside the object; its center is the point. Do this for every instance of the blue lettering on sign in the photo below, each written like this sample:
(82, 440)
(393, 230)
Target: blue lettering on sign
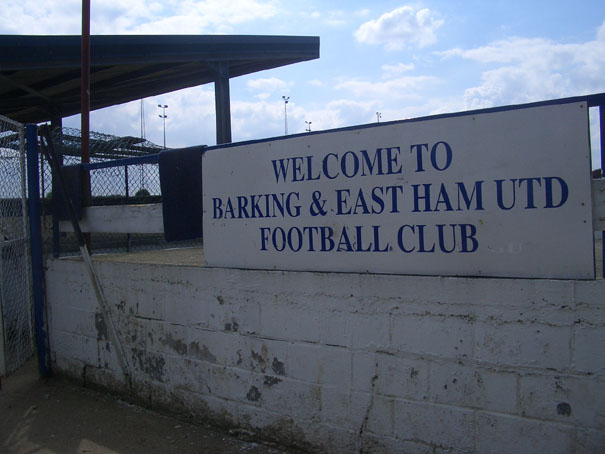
(427, 199)
(323, 239)
(440, 152)
(525, 193)
(448, 238)
(555, 192)
(257, 206)
(373, 203)
(350, 164)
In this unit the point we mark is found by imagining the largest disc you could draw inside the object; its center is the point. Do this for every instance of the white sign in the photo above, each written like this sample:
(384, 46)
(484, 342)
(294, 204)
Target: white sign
(501, 193)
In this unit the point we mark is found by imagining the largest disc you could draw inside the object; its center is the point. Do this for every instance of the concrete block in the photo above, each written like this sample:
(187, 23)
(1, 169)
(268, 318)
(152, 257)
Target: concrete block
(291, 398)
(589, 294)
(181, 374)
(73, 320)
(344, 409)
(220, 410)
(282, 320)
(303, 362)
(167, 338)
(589, 348)
(320, 364)
(69, 285)
(578, 400)
(335, 327)
(341, 441)
(147, 366)
(347, 362)
(364, 370)
(264, 356)
(370, 332)
(191, 309)
(532, 344)
(219, 381)
(391, 445)
(589, 441)
(335, 367)
(467, 385)
(108, 359)
(439, 425)
(439, 336)
(215, 347)
(132, 331)
(380, 418)
(242, 315)
(504, 434)
(81, 348)
(203, 406)
(402, 377)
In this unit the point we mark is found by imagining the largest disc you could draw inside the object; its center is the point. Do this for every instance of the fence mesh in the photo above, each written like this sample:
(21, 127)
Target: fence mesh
(133, 184)
(16, 315)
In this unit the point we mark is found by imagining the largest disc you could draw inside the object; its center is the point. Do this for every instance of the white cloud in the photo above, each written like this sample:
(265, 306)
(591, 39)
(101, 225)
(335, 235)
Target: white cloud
(270, 85)
(330, 18)
(133, 16)
(209, 16)
(33, 17)
(524, 70)
(253, 120)
(400, 28)
(394, 70)
(340, 113)
(317, 83)
(389, 90)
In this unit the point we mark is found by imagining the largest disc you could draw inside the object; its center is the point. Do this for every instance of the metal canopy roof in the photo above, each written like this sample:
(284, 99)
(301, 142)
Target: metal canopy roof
(40, 75)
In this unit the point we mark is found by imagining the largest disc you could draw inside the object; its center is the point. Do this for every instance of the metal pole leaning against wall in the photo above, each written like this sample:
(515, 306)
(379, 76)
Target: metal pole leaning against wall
(35, 237)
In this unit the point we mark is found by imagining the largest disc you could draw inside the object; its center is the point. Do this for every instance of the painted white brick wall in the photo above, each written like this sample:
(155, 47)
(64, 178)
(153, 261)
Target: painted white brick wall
(348, 362)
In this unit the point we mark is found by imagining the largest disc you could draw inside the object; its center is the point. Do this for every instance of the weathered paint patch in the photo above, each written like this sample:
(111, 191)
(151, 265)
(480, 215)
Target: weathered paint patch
(177, 345)
(151, 365)
(259, 360)
(270, 380)
(100, 326)
(253, 394)
(563, 409)
(278, 367)
(233, 326)
(201, 353)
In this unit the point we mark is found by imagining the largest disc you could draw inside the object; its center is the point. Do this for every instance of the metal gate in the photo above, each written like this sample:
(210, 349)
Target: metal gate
(16, 315)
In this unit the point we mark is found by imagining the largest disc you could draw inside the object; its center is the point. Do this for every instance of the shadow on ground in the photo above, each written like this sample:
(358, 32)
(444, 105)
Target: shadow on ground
(58, 416)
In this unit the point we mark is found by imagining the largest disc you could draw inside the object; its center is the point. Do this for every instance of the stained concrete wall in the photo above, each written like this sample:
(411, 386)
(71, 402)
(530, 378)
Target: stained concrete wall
(348, 362)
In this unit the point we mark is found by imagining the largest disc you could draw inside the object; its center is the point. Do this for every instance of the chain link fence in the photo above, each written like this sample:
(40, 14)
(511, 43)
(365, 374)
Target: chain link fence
(133, 184)
(16, 316)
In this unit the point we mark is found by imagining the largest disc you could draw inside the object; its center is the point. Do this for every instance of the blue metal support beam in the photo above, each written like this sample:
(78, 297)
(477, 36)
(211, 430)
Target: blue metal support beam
(222, 104)
(35, 235)
(602, 133)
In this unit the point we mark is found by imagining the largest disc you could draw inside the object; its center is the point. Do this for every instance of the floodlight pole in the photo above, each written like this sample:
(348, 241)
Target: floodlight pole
(163, 117)
(85, 82)
(285, 98)
(85, 109)
(378, 116)
(308, 125)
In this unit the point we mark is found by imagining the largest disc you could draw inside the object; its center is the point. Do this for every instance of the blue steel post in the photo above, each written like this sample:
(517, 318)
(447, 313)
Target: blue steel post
(602, 133)
(35, 236)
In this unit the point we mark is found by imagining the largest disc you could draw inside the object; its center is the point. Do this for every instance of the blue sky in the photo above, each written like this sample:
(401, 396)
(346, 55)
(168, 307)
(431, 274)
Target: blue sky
(403, 59)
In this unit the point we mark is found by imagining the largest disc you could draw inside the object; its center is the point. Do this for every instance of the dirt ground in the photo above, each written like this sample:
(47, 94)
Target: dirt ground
(57, 416)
